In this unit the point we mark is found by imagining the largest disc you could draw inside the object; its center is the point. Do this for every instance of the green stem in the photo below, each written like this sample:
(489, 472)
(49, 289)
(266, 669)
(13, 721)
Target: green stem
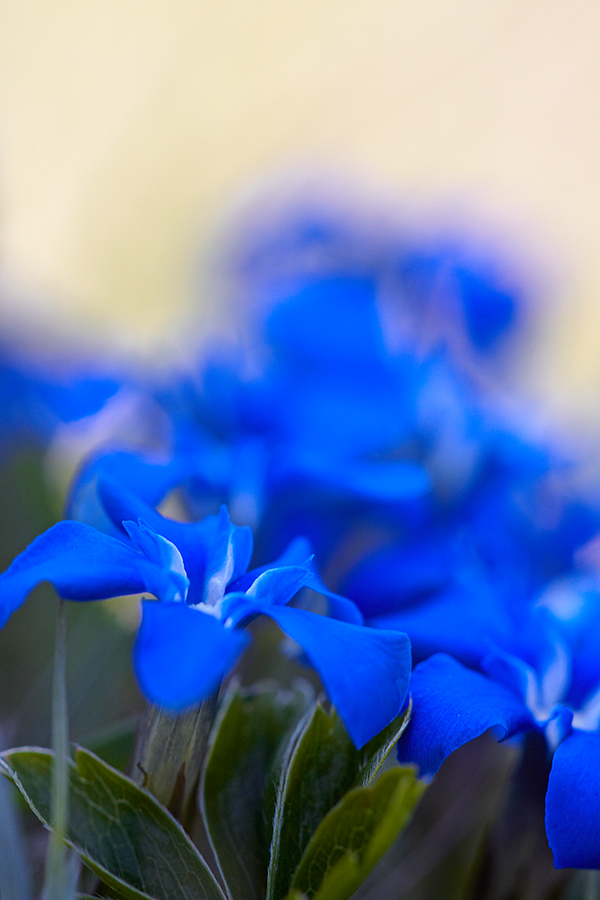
(56, 884)
(169, 755)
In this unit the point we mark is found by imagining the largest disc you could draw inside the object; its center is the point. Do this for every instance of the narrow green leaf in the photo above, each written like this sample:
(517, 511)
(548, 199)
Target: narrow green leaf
(58, 885)
(354, 835)
(321, 766)
(246, 739)
(121, 832)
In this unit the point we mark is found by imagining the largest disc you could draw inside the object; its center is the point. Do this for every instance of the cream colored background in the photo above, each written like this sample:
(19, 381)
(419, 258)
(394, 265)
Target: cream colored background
(128, 129)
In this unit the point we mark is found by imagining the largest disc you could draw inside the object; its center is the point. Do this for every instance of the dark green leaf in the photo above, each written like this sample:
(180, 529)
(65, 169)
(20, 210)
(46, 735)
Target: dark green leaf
(121, 832)
(354, 835)
(321, 766)
(245, 742)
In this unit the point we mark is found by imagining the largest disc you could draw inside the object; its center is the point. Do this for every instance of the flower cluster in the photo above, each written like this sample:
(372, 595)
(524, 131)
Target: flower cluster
(355, 426)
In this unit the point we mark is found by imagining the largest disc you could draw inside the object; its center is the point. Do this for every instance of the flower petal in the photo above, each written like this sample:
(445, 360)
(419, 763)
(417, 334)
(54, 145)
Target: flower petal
(82, 564)
(451, 706)
(148, 478)
(365, 672)
(278, 586)
(438, 624)
(181, 654)
(214, 551)
(572, 802)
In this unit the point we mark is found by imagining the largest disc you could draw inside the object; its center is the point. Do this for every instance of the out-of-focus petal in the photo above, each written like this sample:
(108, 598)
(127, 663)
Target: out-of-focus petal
(381, 481)
(181, 654)
(147, 478)
(466, 621)
(451, 706)
(573, 802)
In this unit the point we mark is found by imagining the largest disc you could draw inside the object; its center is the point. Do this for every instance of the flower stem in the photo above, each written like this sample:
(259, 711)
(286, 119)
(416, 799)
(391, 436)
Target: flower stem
(57, 882)
(169, 755)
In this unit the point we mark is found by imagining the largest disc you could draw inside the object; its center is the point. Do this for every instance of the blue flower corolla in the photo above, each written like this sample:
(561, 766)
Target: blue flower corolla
(191, 637)
(352, 661)
(558, 696)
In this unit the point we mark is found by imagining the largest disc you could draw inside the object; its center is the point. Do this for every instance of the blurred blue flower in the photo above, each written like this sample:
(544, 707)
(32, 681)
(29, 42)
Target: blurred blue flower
(554, 688)
(36, 397)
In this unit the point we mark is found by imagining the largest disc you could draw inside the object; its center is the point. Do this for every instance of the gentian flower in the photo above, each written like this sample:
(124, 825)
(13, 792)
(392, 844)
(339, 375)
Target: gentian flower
(554, 691)
(192, 636)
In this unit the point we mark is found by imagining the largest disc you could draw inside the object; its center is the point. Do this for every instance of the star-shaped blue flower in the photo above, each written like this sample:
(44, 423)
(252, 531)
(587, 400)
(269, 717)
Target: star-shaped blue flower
(190, 639)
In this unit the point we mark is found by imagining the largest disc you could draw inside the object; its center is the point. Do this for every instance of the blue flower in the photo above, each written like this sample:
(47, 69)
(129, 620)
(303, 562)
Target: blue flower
(190, 639)
(554, 688)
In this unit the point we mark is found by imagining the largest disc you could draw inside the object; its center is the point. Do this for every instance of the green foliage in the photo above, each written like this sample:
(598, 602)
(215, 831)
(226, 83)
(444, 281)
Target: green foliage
(285, 798)
(355, 834)
(321, 766)
(241, 765)
(121, 832)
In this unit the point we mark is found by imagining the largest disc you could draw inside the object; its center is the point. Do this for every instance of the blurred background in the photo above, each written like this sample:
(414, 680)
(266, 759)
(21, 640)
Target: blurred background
(134, 137)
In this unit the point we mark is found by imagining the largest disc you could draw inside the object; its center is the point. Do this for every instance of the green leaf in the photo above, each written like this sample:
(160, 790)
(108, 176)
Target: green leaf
(120, 831)
(321, 766)
(252, 725)
(15, 878)
(354, 835)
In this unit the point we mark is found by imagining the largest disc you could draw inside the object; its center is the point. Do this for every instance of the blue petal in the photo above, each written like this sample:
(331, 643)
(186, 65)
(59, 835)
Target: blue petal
(489, 309)
(396, 576)
(161, 552)
(451, 706)
(338, 607)
(82, 564)
(181, 654)
(573, 802)
(213, 550)
(147, 478)
(331, 321)
(278, 586)
(466, 621)
(381, 481)
(299, 553)
(365, 672)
